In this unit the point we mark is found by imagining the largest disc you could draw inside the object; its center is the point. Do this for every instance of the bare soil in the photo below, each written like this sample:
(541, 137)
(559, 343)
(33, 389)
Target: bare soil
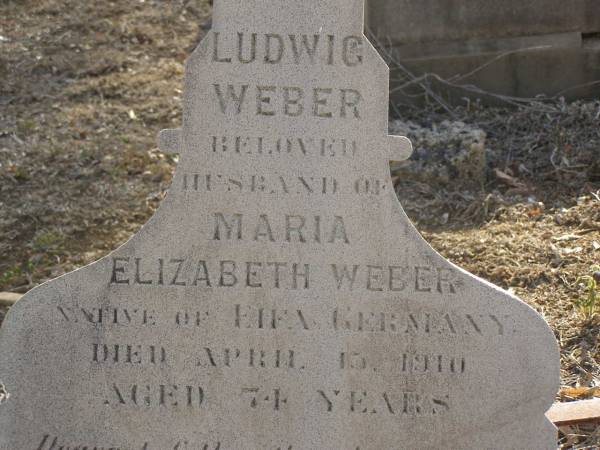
(85, 87)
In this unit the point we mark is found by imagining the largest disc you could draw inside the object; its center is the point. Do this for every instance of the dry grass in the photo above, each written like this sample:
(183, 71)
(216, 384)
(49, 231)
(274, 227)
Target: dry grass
(82, 101)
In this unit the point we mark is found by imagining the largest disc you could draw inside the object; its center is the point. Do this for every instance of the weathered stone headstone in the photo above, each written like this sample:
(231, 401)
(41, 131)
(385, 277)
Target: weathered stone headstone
(280, 297)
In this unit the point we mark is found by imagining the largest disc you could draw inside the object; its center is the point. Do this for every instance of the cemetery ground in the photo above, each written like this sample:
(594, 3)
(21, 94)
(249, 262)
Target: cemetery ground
(510, 194)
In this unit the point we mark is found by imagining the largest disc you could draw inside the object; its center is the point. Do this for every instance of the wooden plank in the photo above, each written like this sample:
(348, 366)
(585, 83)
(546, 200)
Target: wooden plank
(572, 413)
(9, 298)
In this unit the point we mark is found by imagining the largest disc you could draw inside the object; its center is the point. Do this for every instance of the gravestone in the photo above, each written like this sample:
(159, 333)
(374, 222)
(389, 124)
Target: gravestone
(279, 298)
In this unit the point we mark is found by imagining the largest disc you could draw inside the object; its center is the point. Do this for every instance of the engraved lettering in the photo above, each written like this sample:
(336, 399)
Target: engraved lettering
(228, 277)
(498, 323)
(351, 98)
(56, 443)
(290, 228)
(168, 396)
(128, 354)
(294, 225)
(273, 41)
(320, 99)
(191, 319)
(397, 278)
(330, 49)
(236, 223)
(434, 323)
(328, 402)
(291, 49)
(421, 284)
(263, 100)
(238, 98)
(292, 100)
(352, 360)
(305, 146)
(423, 279)
(343, 274)
(258, 184)
(403, 403)
(374, 278)
(257, 396)
(445, 279)
(311, 50)
(248, 358)
(216, 57)
(252, 52)
(423, 364)
(298, 275)
(258, 318)
(180, 272)
(108, 316)
(138, 279)
(176, 281)
(352, 51)
(117, 269)
(201, 274)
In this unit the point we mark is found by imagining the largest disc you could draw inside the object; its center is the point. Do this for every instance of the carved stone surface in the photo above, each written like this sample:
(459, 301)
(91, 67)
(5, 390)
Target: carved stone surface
(280, 297)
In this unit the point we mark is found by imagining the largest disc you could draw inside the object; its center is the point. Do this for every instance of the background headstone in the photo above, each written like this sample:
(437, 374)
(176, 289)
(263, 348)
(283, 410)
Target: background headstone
(512, 48)
(280, 298)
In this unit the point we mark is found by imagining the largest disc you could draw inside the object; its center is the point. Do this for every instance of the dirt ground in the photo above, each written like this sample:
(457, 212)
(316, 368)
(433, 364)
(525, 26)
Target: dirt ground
(85, 87)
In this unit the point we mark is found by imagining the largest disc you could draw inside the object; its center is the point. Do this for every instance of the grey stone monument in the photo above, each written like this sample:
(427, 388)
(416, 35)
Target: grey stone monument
(280, 299)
